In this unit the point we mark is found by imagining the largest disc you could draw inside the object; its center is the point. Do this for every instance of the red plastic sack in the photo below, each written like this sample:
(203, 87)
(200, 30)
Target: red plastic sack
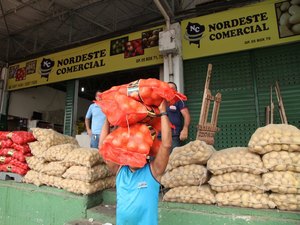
(21, 148)
(3, 135)
(18, 137)
(149, 91)
(123, 111)
(12, 161)
(6, 143)
(21, 137)
(11, 152)
(12, 168)
(131, 145)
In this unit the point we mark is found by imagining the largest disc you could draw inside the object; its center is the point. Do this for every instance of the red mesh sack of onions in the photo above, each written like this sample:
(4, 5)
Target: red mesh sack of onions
(12, 168)
(6, 143)
(128, 146)
(18, 137)
(122, 110)
(21, 148)
(3, 135)
(12, 161)
(13, 153)
(149, 91)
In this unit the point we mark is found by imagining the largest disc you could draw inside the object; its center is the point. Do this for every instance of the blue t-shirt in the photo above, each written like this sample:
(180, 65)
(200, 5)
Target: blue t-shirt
(137, 197)
(175, 116)
(97, 116)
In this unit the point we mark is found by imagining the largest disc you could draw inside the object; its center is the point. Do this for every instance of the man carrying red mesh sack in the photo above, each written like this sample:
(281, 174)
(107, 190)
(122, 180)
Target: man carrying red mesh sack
(135, 185)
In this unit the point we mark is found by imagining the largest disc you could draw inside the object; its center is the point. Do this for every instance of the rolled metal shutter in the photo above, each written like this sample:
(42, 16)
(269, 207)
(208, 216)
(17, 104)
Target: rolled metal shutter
(244, 79)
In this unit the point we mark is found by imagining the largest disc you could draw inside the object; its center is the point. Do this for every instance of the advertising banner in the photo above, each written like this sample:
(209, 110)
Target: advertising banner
(130, 51)
(264, 24)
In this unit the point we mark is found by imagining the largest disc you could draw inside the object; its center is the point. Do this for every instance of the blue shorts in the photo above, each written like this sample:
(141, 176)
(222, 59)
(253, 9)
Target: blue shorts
(94, 141)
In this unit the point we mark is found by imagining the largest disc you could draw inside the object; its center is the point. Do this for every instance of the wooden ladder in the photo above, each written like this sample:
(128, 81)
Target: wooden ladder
(206, 130)
(270, 108)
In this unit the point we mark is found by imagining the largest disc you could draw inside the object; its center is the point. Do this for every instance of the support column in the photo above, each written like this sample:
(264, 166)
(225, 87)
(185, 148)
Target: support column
(177, 63)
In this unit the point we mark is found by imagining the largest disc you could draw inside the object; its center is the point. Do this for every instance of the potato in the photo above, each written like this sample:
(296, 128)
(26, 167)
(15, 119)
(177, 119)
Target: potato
(245, 199)
(189, 175)
(87, 174)
(237, 159)
(286, 182)
(49, 137)
(286, 201)
(282, 161)
(81, 187)
(191, 194)
(237, 181)
(275, 137)
(84, 157)
(195, 152)
(58, 152)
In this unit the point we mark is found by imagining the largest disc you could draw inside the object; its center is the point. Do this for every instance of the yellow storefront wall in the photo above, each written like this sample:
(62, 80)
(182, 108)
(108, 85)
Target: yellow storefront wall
(92, 59)
(249, 27)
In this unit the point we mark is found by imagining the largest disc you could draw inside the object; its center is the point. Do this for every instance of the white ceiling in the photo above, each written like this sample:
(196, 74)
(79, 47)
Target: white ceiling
(32, 27)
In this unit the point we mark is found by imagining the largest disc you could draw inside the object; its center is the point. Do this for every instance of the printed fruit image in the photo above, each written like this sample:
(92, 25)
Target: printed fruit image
(150, 38)
(118, 46)
(133, 48)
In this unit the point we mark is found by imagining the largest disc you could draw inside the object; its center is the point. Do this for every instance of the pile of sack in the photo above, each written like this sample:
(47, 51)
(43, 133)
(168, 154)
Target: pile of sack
(133, 108)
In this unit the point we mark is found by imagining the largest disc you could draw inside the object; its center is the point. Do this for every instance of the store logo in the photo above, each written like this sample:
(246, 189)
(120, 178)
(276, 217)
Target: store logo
(46, 67)
(194, 32)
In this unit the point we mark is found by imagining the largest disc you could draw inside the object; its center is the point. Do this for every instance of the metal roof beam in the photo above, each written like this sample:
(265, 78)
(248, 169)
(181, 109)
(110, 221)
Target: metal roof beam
(55, 16)
(4, 18)
(93, 22)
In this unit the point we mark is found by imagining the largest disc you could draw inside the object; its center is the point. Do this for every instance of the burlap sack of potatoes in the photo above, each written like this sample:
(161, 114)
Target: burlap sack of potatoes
(50, 137)
(81, 187)
(32, 177)
(52, 181)
(54, 169)
(37, 149)
(58, 152)
(83, 157)
(282, 161)
(195, 152)
(284, 182)
(245, 199)
(237, 181)
(87, 174)
(286, 201)
(275, 137)
(236, 159)
(190, 175)
(38, 179)
(35, 163)
(191, 194)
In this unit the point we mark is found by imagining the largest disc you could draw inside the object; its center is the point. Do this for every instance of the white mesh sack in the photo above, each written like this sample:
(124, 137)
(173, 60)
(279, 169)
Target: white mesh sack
(235, 159)
(282, 161)
(286, 201)
(245, 199)
(275, 137)
(87, 174)
(195, 152)
(284, 182)
(237, 181)
(81, 187)
(83, 157)
(190, 175)
(58, 152)
(191, 194)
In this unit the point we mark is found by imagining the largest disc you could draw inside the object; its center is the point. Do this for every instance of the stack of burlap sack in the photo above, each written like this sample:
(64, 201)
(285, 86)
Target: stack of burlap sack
(60, 162)
(266, 174)
(279, 146)
(186, 174)
(237, 178)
